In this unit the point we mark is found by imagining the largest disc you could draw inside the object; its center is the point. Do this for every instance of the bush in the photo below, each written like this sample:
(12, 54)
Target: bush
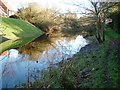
(14, 16)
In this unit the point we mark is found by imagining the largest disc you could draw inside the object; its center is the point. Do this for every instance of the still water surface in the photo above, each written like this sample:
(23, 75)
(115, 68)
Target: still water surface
(28, 62)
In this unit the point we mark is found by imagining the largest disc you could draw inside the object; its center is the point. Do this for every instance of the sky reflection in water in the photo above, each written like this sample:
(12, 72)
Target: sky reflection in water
(16, 68)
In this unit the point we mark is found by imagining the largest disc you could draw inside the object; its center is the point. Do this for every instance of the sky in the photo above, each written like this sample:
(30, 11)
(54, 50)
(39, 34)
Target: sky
(61, 5)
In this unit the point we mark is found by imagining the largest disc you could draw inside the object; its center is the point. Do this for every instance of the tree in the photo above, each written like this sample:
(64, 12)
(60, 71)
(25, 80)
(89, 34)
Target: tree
(115, 15)
(42, 18)
(71, 24)
(99, 11)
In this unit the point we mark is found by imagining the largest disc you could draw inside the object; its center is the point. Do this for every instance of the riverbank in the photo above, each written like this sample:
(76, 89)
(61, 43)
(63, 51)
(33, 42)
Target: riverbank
(15, 33)
(94, 66)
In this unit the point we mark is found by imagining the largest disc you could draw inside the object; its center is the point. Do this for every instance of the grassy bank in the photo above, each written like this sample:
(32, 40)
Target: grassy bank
(95, 66)
(15, 33)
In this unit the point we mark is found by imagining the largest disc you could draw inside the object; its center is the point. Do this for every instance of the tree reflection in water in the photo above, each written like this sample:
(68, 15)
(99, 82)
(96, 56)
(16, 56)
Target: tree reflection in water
(46, 53)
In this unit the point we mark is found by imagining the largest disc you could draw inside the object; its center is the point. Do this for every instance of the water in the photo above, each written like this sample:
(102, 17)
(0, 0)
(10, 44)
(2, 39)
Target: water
(20, 68)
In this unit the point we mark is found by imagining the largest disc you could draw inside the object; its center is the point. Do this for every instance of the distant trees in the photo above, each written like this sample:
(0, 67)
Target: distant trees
(49, 20)
(42, 18)
(88, 25)
(71, 24)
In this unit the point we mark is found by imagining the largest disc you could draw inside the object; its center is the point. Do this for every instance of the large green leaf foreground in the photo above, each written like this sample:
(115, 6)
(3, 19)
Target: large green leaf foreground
(15, 33)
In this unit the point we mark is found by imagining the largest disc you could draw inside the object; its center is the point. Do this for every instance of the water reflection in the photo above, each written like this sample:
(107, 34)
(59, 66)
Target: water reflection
(21, 68)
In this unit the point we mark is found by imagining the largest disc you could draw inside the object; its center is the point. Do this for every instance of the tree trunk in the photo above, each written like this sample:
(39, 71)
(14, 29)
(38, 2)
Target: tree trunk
(98, 30)
(103, 35)
(98, 38)
(103, 30)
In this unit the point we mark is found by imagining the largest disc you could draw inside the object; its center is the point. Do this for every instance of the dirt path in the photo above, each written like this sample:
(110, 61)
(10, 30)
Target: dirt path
(105, 69)
(113, 47)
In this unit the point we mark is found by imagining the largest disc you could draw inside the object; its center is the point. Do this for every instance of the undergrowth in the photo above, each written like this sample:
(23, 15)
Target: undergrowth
(95, 66)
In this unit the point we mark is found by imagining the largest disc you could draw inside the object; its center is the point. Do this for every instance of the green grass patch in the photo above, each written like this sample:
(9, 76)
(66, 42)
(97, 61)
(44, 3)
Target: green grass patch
(16, 33)
(112, 34)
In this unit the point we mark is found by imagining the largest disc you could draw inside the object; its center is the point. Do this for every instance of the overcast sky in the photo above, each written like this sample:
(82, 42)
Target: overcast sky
(58, 4)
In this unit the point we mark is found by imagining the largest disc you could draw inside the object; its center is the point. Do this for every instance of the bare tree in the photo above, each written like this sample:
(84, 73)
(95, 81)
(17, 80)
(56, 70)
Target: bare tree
(100, 12)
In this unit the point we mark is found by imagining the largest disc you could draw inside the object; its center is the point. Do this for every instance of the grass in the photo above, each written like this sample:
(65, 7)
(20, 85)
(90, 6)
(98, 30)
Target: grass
(114, 63)
(16, 33)
(87, 69)
(112, 34)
